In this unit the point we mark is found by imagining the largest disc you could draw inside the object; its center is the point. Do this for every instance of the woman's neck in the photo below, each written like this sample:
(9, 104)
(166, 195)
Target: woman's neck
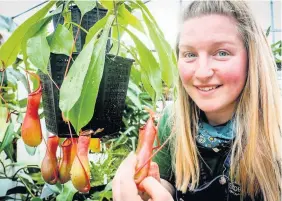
(219, 117)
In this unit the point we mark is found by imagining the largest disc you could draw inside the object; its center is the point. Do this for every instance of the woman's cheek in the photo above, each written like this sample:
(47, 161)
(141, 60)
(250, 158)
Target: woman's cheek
(185, 71)
(234, 76)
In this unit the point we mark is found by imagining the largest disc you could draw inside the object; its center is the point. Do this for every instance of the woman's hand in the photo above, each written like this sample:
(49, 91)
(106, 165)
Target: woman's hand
(125, 189)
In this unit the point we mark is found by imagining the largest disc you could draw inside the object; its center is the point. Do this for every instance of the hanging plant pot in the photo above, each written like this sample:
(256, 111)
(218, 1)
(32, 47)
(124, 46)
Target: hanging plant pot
(88, 20)
(110, 101)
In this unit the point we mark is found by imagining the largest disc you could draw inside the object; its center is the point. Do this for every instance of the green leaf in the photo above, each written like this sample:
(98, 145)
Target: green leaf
(130, 19)
(18, 76)
(166, 54)
(84, 79)
(144, 9)
(9, 97)
(103, 195)
(10, 49)
(37, 178)
(94, 30)
(85, 6)
(67, 193)
(147, 86)
(55, 188)
(124, 19)
(268, 31)
(134, 87)
(75, 78)
(61, 41)
(36, 199)
(38, 28)
(108, 4)
(38, 52)
(10, 151)
(277, 51)
(109, 186)
(168, 67)
(17, 190)
(83, 110)
(8, 137)
(149, 66)
(134, 99)
(135, 75)
(23, 102)
(279, 43)
(3, 118)
(3, 74)
(4, 198)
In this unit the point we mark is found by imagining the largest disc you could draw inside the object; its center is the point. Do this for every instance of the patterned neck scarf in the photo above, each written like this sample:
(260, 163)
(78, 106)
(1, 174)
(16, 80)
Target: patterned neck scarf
(213, 136)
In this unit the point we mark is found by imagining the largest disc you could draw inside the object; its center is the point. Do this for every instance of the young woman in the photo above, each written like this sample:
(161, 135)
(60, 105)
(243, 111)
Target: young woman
(225, 125)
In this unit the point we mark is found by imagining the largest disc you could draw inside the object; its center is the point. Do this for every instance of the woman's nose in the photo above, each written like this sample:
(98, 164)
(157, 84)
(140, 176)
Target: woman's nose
(203, 70)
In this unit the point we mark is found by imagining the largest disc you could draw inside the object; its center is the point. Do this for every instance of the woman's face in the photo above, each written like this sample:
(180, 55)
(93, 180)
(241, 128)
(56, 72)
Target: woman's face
(212, 64)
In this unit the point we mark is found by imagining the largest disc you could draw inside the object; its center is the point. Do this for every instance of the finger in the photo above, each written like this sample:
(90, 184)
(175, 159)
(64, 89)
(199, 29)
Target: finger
(127, 167)
(124, 177)
(154, 171)
(155, 190)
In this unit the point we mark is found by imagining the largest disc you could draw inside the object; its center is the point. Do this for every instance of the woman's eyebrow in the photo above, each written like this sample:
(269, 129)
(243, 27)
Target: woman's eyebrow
(212, 43)
(183, 46)
(228, 42)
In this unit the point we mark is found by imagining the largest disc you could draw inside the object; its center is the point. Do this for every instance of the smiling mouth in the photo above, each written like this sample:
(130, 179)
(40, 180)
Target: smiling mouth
(208, 88)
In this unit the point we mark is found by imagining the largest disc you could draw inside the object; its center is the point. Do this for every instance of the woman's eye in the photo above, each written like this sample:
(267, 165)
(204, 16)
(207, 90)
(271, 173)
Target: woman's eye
(222, 53)
(190, 55)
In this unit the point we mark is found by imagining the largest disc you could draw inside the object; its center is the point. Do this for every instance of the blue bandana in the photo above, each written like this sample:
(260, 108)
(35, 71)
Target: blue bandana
(213, 136)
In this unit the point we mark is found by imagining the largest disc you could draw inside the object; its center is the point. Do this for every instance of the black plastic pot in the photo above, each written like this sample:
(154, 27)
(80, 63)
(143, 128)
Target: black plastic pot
(88, 20)
(110, 101)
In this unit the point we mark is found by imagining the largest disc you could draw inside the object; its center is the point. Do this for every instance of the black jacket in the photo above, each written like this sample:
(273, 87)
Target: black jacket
(215, 184)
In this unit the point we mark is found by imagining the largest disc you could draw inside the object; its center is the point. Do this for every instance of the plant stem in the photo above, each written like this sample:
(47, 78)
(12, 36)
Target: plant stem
(6, 105)
(5, 88)
(73, 45)
(123, 45)
(53, 81)
(78, 26)
(4, 168)
(116, 18)
(22, 169)
(2, 80)
(28, 189)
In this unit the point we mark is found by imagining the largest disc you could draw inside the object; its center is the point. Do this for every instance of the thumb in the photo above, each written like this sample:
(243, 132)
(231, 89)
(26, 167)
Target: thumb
(127, 167)
(155, 190)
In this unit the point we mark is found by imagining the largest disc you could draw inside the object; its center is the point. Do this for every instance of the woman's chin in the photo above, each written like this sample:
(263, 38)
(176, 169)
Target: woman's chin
(208, 108)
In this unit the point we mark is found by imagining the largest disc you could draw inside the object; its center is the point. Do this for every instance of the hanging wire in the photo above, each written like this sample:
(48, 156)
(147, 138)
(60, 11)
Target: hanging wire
(29, 9)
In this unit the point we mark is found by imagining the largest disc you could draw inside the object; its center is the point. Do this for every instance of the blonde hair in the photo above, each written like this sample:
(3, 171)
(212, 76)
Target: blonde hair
(256, 151)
